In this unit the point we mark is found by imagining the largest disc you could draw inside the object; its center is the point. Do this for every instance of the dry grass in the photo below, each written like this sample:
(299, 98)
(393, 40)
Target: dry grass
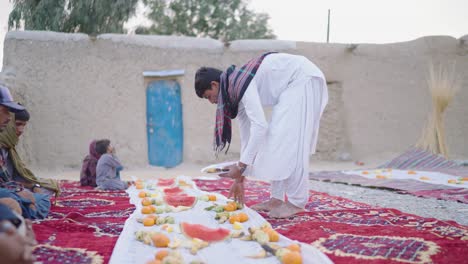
(443, 84)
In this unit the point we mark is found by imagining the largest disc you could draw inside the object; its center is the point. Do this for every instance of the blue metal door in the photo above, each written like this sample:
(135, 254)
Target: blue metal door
(164, 123)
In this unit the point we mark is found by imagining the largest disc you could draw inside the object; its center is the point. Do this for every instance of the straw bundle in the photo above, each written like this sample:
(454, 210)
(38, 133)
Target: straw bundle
(443, 84)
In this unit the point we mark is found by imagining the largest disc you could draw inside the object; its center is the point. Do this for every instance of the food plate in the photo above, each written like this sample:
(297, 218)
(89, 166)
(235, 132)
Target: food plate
(217, 168)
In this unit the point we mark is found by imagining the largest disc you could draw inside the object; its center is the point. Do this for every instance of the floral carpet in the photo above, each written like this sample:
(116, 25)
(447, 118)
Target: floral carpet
(352, 232)
(85, 223)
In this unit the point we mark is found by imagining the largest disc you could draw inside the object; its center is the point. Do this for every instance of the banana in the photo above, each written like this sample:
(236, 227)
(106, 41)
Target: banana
(261, 254)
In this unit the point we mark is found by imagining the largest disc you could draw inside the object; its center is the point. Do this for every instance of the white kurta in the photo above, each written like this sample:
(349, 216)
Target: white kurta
(279, 151)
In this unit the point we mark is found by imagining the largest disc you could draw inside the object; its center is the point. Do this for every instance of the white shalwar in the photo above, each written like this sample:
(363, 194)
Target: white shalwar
(279, 151)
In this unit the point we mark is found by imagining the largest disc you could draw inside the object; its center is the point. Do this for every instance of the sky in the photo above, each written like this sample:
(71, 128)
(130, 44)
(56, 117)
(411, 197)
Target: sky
(357, 21)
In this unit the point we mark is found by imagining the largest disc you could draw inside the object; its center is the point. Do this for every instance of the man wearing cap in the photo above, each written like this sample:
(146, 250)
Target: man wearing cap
(33, 205)
(7, 105)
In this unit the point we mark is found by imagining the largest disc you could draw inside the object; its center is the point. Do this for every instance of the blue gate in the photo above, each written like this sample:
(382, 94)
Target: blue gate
(164, 123)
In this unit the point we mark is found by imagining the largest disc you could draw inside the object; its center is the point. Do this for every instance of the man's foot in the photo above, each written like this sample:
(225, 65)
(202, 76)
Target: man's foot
(268, 205)
(285, 210)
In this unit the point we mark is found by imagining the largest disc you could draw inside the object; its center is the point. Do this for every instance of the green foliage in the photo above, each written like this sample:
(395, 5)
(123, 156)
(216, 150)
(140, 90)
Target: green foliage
(87, 16)
(218, 19)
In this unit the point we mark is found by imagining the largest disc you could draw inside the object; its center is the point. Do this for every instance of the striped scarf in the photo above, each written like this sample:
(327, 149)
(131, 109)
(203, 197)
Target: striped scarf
(233, 84)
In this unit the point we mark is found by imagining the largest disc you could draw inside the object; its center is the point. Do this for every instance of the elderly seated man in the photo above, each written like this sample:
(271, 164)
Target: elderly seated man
(16, 181)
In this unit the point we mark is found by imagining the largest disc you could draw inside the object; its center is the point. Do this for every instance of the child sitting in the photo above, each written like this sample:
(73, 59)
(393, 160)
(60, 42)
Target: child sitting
(107, 177)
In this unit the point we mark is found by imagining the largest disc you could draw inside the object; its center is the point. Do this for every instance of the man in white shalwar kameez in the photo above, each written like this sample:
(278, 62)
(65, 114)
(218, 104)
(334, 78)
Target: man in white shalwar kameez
(277, 151)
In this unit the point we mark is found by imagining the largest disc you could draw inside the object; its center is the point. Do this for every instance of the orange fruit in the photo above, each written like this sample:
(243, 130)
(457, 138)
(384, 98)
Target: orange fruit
(234, 218)
(380, 177)
(160, 255)
(411, 172)
(152, 216)
(230, 207)
(272, 234)
(294, 247)
(146, 201)
(148, 221)
(212, 197)
(153, 208)
(365, 172)
(139, 186)
(243, 217)
(142, 194)
(146, 210)
(292, 257)
(452, 181)
(160, 240)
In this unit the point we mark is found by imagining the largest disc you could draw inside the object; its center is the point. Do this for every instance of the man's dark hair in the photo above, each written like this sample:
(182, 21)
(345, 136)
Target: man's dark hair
(203, 79)
(22, 115)
(102, 145)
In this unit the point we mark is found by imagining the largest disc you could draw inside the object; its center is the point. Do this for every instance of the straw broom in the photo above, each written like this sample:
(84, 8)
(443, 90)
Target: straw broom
(442, 84)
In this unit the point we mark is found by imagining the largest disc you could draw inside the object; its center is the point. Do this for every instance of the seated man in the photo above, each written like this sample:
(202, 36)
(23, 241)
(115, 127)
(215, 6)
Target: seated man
(108, 166)
(13, 168)
(31, 205)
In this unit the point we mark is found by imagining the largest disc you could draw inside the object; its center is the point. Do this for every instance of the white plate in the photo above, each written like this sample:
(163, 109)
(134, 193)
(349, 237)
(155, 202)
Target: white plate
(217, 166)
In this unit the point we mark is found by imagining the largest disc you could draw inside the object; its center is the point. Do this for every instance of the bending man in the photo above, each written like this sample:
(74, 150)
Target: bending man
(277, 151)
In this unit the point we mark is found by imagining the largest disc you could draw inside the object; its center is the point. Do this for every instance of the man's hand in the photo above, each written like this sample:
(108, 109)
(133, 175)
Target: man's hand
(237, 192)
(237, 189)
(233, 172)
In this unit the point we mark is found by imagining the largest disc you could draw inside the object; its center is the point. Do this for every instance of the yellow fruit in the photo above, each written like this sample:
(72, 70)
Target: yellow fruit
(237, 226)
(148, 221)
(294, 247)
(292, 257)
(452, 181)
(160, 255)
(142, 194)
(146, 202)
(160, 240)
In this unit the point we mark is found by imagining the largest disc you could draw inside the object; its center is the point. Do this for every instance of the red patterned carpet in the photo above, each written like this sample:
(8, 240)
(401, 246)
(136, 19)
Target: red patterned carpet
(352, 232)
(83, 226)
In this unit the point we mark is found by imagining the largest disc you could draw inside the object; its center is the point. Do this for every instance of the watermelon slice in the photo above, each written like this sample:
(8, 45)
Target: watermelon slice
(174, 190)
(166, 182)
(204, 233)
(180, 200)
